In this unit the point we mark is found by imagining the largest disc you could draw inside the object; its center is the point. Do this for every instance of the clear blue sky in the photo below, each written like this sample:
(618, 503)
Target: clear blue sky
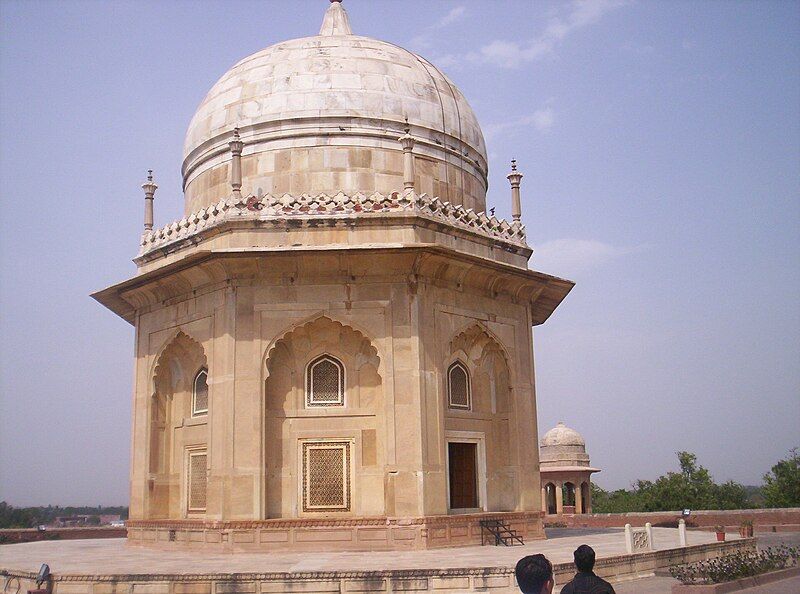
(661, 149)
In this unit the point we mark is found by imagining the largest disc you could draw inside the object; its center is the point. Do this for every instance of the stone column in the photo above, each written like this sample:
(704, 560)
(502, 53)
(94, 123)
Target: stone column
(515, 177)
(544, 499)
(579, 497)
(140, 446)
(221, 362)
(559, 498)
(149, 192)
(408, 158)
(236, 145)
(589, 496)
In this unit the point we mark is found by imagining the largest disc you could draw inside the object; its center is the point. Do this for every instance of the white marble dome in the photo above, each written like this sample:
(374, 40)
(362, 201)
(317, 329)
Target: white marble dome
(307, 108)
(561, 435)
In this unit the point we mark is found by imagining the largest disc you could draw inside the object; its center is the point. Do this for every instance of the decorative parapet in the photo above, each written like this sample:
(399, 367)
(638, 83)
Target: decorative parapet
(339, 206)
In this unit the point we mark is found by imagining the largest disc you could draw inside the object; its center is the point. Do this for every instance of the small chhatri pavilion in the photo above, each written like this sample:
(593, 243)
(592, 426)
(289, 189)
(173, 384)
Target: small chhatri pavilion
(565, 472)
(333, 346)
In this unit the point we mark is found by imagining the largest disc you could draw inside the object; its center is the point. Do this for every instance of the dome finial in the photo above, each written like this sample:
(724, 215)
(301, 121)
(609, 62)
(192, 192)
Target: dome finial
(335, 21)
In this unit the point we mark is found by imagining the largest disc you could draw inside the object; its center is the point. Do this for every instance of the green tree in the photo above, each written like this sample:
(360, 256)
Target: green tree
(613, 502)
(782, 484)
(692, 487)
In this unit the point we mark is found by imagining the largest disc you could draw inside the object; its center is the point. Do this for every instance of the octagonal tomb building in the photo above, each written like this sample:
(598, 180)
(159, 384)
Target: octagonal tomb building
(333, 347)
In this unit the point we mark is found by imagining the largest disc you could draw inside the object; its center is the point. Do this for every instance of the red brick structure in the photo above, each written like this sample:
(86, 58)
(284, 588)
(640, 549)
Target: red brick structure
(16, 535)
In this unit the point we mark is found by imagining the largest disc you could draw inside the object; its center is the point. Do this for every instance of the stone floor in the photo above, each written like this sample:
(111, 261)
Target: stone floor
(110, 556)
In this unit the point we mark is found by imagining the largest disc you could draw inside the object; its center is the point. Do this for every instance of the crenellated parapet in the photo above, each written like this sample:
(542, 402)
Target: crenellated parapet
(322, 208)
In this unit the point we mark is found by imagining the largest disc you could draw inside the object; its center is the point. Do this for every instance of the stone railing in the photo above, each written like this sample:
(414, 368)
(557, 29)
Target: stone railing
(341, 205)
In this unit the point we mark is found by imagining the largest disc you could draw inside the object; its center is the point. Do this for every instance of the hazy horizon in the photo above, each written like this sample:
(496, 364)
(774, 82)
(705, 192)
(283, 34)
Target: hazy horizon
(660, 144)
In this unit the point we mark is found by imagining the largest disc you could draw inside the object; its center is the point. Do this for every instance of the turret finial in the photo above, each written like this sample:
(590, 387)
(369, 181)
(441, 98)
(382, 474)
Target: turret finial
(515, 177)
(149, 188)
(236, 145)
(407, 142)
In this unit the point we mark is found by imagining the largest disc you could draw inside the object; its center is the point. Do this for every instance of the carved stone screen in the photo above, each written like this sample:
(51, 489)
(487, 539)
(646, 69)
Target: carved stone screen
(458, 386)
(325, 383)
(200, 393)
(197, 481)
(326, 476)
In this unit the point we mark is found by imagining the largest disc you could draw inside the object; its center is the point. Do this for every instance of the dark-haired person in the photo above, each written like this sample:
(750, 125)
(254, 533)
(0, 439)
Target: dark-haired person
(534, 575)
(586, 582)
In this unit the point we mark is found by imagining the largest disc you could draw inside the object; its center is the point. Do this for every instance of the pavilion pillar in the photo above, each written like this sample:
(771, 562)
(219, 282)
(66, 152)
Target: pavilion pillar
(589, 496)
(579, 498)
(559, 498)
(544, 499)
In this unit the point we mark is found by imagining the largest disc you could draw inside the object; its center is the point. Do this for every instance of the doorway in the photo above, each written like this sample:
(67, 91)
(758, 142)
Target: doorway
(463, 474)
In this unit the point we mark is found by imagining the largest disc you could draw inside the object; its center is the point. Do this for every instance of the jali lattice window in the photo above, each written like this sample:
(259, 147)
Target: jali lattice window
(326, 476)
(458, 389)
(200, 393)
(325, 382)
(197, 479)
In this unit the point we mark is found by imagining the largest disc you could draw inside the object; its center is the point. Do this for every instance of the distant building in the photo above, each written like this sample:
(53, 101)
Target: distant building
(85, 520)
(565, 472)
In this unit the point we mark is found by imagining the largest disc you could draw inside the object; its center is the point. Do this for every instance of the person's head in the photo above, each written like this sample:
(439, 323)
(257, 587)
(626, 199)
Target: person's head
(534, 575)
(584, 558)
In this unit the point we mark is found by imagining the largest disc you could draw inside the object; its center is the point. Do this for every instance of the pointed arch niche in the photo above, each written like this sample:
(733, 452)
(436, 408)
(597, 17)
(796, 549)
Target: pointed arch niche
(323, 386)
(171, 478)
(486, 367)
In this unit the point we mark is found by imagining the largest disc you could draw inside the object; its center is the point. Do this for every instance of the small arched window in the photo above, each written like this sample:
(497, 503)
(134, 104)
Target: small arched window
(200, 393)
(325, 382)
(458, 390)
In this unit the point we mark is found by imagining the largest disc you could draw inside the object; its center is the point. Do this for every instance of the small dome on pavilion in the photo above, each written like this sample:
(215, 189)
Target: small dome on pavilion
(561, 435)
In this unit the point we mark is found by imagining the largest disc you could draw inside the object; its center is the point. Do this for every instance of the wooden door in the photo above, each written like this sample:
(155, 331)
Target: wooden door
(463, 462)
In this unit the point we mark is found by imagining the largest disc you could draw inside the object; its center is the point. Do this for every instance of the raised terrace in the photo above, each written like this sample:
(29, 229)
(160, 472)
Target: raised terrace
(111, 567)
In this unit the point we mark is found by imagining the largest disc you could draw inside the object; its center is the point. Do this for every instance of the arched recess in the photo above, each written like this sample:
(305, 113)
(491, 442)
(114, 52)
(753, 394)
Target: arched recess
(550, 496)
(489, 412)
(174, 374)
(292, 418)
(569, 494)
